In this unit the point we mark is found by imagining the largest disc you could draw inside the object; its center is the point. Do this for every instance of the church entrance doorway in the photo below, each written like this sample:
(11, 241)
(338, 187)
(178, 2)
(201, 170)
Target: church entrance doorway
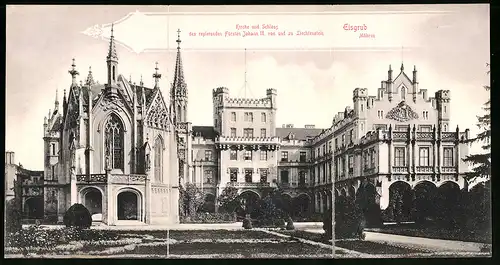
(128, 206)
(92, 199)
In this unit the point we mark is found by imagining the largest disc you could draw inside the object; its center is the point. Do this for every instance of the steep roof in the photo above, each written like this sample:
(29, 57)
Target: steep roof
(299, 133)
(207, 132)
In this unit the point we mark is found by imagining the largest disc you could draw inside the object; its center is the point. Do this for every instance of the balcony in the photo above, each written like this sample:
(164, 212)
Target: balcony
(448, 170)
(94, 178)
(400, 169)
(424, 169)
(293, 163)
(252, 185)
(400, 136)
(425, 136)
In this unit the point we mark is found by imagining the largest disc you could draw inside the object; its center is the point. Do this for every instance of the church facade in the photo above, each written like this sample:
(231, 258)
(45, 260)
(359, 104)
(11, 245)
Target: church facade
(113, 148)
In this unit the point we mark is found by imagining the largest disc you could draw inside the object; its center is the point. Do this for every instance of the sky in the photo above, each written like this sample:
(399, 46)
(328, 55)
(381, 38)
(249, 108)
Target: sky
(314, 75)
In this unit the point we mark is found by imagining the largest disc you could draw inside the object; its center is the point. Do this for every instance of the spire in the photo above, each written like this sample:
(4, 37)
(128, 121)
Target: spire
(178, 39)
(179, 85)
(141, 83)
(73, 72)
(112, 56)
(389, 74)
(156, 76)
(402, 67)
(90, 79)
(56, 103)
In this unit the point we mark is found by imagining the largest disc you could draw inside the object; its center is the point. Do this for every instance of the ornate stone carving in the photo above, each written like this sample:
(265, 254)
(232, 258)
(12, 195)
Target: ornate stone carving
(158, 115)
(113, 103)
(402, 113)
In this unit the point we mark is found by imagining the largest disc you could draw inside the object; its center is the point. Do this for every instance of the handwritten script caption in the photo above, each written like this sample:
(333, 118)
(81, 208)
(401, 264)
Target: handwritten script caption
(258, 30)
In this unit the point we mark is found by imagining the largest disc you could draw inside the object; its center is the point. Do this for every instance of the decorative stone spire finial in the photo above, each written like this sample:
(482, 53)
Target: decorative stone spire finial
(414, 74)
(56, 103)
(141, 83)
(389, 73)
(73, 72)
(157, 76)
(90, 79)
(112, 55)
(402, 67)
(178, 39)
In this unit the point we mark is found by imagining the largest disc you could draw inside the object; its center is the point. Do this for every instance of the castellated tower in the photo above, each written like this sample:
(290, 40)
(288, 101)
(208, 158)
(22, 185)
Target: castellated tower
(219, 96)
(443, 108)
(361, 105)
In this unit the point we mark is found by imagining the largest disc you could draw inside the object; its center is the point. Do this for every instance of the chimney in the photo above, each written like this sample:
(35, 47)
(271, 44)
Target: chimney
(289, 125)
(310, 126)
(9, 158)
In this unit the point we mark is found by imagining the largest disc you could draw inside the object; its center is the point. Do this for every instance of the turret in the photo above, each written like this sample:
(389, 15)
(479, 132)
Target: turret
(178, 93)
(271, 93)
(389, 84)
(443, 108)
(112, 61)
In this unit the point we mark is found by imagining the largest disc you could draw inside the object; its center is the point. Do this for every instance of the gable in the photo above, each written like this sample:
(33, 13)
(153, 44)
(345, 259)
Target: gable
(157, 113)
(402, 80)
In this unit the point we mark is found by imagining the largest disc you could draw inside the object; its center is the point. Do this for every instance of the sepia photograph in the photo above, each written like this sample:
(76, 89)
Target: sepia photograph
(247, 132)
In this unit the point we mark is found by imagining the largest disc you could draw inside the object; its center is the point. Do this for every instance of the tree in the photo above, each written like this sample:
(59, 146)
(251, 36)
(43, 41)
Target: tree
(195, 198)
(228, 200)
(481, 162)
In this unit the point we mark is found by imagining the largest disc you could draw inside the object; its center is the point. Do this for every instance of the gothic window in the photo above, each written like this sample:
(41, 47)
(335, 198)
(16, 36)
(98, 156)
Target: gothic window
(263, 117)
(53, 149)
(208, 155)
(263, 133)
(233, 155)
(448, 157)
(114, 134)
(284, 156)
(114, 74)
(233, 174)
(403, 93)
(247, 156)
(53, 171)
(233, 116)
(351, 164)
(248, 133)
(284, 176)
(263, 175)
(263, 155)
(158, 160)
(302, 157)
(424, 156)
(233, 132)
(208, 176)
(248, 175)
(399, 157)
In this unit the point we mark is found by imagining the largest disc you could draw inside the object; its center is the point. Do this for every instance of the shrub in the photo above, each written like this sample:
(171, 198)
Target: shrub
(349, 219)
(77, 216)
(209, 218)
(33, 236)
(289, 225)
(247, 223)
(327, 224)
(13, 216)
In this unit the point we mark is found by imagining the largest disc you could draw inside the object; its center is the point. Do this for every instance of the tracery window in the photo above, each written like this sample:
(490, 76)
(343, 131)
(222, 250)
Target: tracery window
(114, 133)
(158, 160)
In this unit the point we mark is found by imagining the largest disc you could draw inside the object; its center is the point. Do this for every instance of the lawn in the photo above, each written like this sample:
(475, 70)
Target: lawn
(436, 233)
(160, 244)
(375, 248)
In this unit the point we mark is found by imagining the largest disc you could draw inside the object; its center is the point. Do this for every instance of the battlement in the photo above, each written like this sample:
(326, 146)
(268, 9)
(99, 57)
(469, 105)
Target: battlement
(442, 94)
(220, 90)
(360, 92)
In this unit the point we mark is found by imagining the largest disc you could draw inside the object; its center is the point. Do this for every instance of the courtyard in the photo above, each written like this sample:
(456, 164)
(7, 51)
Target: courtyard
(227, 241)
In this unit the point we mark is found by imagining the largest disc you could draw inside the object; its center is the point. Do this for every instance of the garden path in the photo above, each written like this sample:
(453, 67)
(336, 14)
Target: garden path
(427, 243)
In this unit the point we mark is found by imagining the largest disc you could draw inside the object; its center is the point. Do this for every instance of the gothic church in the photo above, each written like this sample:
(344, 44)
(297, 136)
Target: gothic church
(113, 148)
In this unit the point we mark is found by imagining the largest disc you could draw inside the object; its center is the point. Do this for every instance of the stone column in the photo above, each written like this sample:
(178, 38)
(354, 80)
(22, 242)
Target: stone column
(73, 189)
(147, 197)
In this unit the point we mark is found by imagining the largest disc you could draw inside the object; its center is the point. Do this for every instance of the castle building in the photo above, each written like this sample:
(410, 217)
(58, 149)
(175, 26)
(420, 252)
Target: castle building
(123, 151)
